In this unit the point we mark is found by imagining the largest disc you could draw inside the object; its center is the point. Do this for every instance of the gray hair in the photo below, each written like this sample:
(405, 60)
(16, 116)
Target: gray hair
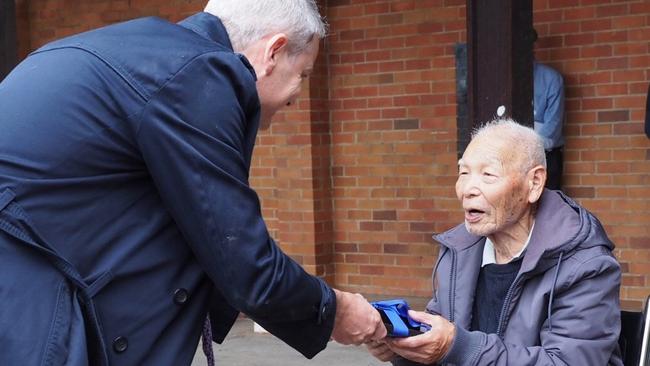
(248, 21)
(529, 142)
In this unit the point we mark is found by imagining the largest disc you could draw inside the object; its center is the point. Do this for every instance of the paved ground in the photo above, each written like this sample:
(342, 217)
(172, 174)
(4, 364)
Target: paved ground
(243, 347)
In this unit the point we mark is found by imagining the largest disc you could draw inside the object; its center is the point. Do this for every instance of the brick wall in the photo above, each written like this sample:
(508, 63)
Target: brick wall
(393, 125)
(356, 177)
(602, 50)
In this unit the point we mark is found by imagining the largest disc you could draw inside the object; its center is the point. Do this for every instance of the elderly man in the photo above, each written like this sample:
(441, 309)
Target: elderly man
(528, 279)
(126, 215)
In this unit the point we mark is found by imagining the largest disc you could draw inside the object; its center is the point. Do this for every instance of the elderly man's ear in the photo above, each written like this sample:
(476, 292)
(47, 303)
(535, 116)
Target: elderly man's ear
(536, 180)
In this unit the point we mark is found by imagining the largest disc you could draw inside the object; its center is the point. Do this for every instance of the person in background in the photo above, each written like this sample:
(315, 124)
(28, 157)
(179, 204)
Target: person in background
(528, 279)
(126, 215)
(548, 113)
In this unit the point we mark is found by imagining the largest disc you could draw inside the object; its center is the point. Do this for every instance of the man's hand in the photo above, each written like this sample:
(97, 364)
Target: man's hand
(380, 350)
(356, 320)
(428, 347)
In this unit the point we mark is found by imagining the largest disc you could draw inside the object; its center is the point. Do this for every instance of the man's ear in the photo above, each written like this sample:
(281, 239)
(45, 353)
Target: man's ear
(273, 48)
(536, 180)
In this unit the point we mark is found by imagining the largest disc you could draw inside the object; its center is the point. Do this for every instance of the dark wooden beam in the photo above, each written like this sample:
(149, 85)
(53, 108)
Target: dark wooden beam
(500, 60)
(8, 41)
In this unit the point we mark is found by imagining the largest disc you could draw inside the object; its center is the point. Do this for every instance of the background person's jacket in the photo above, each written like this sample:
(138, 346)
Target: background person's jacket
(125, 209)
(548, 105)
(568, 263)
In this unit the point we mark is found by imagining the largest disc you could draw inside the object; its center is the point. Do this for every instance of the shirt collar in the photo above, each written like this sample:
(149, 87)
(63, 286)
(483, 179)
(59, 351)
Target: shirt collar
(489, 256)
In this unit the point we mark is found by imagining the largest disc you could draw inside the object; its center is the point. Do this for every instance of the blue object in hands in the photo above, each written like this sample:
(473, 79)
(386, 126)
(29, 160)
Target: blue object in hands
(394, 314)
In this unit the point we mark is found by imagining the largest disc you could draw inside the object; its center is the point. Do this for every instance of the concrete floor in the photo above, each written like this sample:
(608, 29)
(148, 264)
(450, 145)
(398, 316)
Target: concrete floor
(243, 347)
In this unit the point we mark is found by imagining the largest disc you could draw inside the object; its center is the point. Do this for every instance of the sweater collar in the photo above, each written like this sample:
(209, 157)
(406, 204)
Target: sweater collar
(489, 255)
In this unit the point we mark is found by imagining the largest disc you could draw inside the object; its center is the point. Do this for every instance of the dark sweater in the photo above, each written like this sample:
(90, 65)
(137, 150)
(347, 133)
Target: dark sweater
(494, 280)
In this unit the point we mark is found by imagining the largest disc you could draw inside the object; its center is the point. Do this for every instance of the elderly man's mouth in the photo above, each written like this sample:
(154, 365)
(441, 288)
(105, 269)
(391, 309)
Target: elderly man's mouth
(473, 215)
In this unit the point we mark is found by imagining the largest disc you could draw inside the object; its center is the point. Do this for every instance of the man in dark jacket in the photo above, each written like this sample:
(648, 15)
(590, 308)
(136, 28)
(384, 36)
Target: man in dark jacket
(126, 214)
(528, 279)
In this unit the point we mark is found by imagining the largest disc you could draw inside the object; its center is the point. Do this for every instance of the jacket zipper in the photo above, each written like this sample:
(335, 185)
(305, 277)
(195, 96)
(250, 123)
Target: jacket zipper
(452, 287)
(506, 306)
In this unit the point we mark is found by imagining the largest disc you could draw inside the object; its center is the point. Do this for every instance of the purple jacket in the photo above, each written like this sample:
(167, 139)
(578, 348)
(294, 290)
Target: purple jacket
(563, 306)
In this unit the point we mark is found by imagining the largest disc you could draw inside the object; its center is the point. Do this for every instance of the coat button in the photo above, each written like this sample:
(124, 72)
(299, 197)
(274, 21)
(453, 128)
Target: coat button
(180, 296)
(120, 344)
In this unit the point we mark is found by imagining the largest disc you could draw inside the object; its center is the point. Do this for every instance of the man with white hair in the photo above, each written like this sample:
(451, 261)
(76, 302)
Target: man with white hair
(528, 279)
(126, 215)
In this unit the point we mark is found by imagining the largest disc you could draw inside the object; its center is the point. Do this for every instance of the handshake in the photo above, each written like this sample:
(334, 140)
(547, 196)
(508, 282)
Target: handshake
(386, 328)
(359, 322)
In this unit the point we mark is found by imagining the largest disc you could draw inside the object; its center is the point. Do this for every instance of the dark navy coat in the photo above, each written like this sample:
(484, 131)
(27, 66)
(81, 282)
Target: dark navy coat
(125, 210)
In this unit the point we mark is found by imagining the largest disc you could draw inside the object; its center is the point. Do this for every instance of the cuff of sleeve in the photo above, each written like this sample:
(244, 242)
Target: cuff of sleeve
(327, 307)
(465, 347)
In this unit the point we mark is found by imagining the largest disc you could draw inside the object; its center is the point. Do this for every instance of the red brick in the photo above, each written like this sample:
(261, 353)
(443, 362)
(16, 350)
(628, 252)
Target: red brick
(596, 51)
(638, 35)
(549, 15)
(350, 35)
(628, 102)
(611, 89)
(595, 25)
(596, 103)
(628, 129)
(401, 6)
(628, 75)
(579, 13)
(565, 27)
(611, 36)
(600, 77)
(612, 10)
(642, 7)
(633, 21)
(379, 8)
(390, 19)
(395, 248)
(630, 49)
(614, 116)
(613, 63)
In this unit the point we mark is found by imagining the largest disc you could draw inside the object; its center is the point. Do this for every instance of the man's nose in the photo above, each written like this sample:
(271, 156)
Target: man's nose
(470, 186)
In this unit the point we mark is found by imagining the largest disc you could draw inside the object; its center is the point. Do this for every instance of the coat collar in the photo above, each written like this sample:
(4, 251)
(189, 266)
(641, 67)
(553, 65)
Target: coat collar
(208, 26)
(211, 28)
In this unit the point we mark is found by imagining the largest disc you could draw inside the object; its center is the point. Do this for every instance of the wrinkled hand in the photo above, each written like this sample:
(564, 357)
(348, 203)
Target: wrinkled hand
(428, 347)
(356, 320)
(380, 350)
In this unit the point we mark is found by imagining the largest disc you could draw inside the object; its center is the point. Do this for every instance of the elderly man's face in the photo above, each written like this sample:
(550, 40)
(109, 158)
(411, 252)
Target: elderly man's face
(491, 186)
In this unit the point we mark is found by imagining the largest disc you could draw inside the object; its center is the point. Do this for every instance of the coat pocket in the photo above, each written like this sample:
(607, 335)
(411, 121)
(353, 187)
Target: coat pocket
(40, 318)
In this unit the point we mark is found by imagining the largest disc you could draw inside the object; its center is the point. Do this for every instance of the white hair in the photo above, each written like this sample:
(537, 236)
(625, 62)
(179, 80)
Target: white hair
(525, 138)
(248, 21)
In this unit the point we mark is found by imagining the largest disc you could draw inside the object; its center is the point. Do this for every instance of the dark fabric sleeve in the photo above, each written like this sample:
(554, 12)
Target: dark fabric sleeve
(195, 135)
